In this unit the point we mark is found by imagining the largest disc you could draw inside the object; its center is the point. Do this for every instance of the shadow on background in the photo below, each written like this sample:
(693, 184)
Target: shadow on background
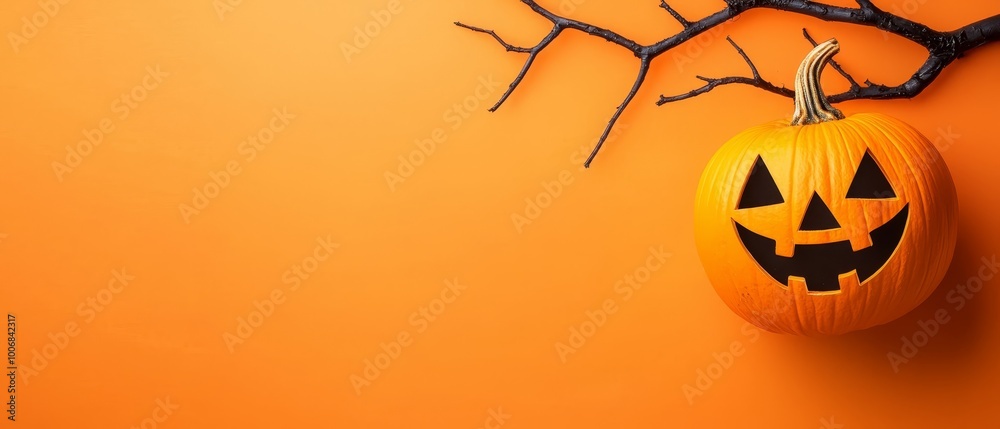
(948, 350)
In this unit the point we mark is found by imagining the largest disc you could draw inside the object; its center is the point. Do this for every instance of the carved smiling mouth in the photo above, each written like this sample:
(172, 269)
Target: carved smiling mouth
(822, 264)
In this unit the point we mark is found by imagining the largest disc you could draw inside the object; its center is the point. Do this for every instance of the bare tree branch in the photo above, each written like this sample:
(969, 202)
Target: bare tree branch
(684, 22)
(508, 46)
(643, 70)
(712, 83)
(532, 54)
(943, 47)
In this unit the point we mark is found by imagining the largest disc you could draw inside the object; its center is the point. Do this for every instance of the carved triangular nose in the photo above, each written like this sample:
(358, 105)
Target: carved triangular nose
(818, 216)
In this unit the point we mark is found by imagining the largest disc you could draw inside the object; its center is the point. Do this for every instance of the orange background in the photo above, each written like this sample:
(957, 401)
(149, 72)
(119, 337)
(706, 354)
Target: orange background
(162, 337)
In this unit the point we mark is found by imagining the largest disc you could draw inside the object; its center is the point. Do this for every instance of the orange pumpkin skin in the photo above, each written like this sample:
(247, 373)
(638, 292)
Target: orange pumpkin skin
(822, 159)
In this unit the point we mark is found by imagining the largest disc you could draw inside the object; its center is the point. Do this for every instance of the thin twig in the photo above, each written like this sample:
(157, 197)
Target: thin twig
(680, 18)
(508, 46)
(711, 83)
(643, 70)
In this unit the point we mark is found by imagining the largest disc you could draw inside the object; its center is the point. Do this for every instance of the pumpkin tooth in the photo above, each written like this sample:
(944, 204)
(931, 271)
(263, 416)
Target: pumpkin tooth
(860, 241)
(796, 283)
(849, 281)
(784, 247)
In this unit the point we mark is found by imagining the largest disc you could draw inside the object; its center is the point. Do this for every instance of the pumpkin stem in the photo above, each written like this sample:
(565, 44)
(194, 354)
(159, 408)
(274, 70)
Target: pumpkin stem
(811, 105)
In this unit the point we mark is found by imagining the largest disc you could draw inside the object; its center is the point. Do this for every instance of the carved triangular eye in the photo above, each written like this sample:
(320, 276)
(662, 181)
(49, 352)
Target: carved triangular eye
(869, 182)
(760, 189)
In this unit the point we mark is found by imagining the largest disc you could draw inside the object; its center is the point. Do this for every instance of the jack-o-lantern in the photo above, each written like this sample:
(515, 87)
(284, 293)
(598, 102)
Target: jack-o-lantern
(825, 224)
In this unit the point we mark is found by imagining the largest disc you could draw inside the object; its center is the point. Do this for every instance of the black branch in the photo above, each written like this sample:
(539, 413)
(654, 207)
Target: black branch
(943, 48)
(684, 22)
(711, 83)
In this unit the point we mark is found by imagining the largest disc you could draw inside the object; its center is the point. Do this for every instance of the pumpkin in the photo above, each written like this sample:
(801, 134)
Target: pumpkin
(825, 224)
